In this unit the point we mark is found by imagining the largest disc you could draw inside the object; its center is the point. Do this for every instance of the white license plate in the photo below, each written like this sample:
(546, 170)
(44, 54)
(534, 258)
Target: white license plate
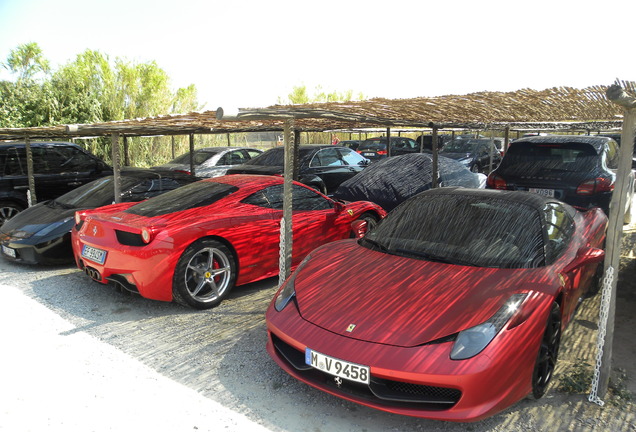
(545, 192)
(368, 154)
(336, 367)
(8, 251)
(94, 254)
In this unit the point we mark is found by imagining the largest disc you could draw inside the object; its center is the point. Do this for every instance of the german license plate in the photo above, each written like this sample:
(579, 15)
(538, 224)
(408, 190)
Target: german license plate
(8, 251)
(368, 154)
(545, 192)
(336, 367)
(94, 254)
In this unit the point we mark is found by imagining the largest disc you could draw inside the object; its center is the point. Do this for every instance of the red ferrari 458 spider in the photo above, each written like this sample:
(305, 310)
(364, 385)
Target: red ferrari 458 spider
(451, 308)
(193, 244)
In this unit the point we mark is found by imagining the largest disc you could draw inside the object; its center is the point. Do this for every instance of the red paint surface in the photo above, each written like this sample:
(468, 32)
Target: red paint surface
(252, 232)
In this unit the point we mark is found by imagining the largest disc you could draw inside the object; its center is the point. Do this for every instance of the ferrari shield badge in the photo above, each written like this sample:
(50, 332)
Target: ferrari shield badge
(350, 212)
(351, 327)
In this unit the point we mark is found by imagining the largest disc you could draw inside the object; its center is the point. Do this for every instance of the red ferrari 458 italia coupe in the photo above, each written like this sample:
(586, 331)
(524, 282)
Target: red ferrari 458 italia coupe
(451, 308)
(193, 244)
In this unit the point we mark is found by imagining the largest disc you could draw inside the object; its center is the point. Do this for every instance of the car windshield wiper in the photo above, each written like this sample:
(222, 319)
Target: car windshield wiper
(435, 258)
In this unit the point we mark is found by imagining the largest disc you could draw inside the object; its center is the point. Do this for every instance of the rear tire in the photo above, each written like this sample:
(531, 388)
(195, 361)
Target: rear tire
(548, 353)
(204, 275)
(8, 209)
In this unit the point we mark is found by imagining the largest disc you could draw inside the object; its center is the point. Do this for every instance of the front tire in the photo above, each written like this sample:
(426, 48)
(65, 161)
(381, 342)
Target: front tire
(204, 275)
(370, 218)
(548, 353)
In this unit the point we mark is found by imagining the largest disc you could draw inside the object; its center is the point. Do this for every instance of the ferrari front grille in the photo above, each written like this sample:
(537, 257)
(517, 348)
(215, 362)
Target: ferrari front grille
(380, 391)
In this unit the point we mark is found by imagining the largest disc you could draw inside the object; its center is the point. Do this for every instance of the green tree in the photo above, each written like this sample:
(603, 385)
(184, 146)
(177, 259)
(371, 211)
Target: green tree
(299, 95)
(26, 61)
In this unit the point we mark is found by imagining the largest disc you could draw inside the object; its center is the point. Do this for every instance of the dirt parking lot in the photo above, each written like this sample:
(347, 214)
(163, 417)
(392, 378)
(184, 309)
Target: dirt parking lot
(79, 356)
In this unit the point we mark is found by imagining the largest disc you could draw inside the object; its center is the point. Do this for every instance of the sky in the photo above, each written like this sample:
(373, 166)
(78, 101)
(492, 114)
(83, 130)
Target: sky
(250, 53)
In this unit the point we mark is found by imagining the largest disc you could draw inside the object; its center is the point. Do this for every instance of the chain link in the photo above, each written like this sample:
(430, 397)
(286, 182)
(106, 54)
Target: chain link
(282, 262)
(602, 329)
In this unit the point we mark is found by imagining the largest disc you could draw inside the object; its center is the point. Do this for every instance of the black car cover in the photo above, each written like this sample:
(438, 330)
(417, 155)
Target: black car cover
(395, 179)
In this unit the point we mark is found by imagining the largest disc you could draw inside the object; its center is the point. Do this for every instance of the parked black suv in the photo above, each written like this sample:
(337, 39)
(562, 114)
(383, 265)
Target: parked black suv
(58, 168)
(577, 169)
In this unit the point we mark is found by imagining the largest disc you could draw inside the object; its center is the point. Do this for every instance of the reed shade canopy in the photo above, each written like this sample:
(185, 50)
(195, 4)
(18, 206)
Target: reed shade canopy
(562, 108)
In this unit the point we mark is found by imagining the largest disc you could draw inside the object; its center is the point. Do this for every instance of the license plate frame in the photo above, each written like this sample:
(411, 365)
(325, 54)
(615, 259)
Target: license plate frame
(94, 254)
(338, 368)
(10, 252)
(368, 154)
(550, 193)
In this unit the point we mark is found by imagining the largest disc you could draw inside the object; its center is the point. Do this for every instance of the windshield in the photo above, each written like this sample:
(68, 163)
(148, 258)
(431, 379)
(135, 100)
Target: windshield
(197, 194)
(95, 194)
(199, 157)
(534, 158)
(462, 229)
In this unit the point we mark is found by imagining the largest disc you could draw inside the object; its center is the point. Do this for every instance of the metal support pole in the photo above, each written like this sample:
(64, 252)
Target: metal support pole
(172, 146)
(389, 153)
(286, 226)
(31, 197)
(114, 139)
(192, 155)
(435, 170)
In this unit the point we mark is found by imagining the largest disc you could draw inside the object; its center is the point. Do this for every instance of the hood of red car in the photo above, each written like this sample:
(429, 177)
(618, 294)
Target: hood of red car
(373, 296)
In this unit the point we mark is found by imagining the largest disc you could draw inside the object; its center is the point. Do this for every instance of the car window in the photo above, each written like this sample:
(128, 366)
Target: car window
(534, 158)
(303, 199)
(252, 153)
(199, 194)
(62, 159)
(234, 157)
(14, 163)
(612, 155)
(467, 230)
(351, 157)
(326, 157)
(559, 228)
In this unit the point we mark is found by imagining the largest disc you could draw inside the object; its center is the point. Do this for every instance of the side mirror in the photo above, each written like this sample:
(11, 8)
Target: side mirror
(585, 256)
(359, 228)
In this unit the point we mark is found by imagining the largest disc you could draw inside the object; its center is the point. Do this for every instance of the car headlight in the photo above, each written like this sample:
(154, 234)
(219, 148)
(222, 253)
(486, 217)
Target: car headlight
(472, 341)
(288, 291)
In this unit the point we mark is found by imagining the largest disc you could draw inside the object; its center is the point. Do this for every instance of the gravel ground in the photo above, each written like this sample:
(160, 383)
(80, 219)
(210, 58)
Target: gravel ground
(80, 356)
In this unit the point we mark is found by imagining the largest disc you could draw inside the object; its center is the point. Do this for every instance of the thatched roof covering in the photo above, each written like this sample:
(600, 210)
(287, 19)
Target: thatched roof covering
(556, 108)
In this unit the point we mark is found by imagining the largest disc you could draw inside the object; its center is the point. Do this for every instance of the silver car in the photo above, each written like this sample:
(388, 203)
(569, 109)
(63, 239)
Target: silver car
(212, 161)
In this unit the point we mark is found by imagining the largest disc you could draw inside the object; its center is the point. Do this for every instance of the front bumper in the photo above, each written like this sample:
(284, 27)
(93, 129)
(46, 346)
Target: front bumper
(420, 381)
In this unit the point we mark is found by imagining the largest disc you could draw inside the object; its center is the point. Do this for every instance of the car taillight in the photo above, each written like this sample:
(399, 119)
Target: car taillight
(184, 171)
(146, 235)
(495, 181)
(599, 184)
(382, 152)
